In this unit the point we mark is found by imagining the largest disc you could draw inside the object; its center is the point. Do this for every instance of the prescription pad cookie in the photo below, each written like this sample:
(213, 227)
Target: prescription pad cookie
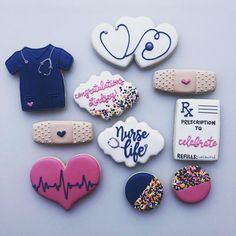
(191, 184)
(184, 81)
(106, 95)
(62, 132)
(65, 184)
(197, 130)
(131, 142)
(134, 38)
(144, 191)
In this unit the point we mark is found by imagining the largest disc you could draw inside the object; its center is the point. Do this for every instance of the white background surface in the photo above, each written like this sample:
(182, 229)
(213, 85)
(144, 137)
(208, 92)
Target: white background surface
(207, 40)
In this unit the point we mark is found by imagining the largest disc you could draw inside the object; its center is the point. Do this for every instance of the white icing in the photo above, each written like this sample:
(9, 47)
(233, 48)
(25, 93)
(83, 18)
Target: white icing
(120, 45)
(106, 95)
(197, 129)
(144, 143)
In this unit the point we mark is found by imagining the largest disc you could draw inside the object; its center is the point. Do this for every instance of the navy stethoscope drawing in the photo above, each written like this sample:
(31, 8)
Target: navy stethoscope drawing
(148, 46)
(114, 143)
(47, 60)
(135, 151)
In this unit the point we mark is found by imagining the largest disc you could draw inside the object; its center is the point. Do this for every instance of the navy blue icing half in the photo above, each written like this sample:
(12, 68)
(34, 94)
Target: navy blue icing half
(136, 185)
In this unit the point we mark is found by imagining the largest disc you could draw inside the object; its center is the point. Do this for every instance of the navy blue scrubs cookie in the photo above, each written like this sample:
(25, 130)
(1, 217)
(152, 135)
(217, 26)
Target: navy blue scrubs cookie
(144, 191)
(41, 78)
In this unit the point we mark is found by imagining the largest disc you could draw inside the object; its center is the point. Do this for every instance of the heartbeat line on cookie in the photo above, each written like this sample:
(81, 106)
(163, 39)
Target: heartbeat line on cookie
(66, 187)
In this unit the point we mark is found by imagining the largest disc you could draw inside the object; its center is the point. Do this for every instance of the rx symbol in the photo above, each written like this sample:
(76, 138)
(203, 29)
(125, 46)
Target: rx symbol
(186, 109)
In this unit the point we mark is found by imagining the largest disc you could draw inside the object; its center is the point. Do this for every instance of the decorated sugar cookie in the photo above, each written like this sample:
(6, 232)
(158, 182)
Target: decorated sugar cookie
(41, 77)
(65, 184)
(191, 184)
(131, 142)
(106, 95)
(184, 81)
(197, 129)
(62, 132)
(144, 191)
(139, 38)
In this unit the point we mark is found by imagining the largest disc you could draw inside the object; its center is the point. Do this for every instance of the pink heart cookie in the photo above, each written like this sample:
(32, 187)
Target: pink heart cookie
(65, 184)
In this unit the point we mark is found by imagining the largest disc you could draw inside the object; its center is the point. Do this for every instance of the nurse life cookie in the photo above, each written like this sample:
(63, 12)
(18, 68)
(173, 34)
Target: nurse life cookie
(191, 184)
(65, 184)
(184, 81)
(144, 191)
(106, 95)
(197, 130)
(134, 38)
(131, 142)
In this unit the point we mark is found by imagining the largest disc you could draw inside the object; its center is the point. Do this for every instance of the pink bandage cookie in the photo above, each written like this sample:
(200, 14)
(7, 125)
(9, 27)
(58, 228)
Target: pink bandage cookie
(62, 132)
(65, 184)
(191, 184)
(184, 81)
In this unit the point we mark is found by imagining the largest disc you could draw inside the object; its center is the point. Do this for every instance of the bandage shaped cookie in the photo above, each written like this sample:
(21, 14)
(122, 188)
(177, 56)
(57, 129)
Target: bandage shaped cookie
(139, 38)
(65, 184)
(131, 142)
(184, 81)
(197, 130)
(106, 95)
(62, 132)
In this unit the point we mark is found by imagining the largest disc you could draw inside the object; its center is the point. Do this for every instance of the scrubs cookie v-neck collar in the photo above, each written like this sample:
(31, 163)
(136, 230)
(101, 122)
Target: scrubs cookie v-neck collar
(31, 53)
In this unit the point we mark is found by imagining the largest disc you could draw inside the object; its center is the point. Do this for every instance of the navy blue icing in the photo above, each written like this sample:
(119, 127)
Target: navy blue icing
(41, 78)
(136, 185)
(131, 142)
(61, 133)
(65, 186)
(148, 47)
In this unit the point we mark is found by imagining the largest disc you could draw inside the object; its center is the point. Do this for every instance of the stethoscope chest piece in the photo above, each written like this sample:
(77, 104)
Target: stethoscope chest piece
(42, 64)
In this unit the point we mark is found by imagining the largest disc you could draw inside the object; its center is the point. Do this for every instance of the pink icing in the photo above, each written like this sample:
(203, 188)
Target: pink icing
(82, 171)
(197, 142)
(195, 193)
(185, 81)
(103, 99)
(99, 87)
(30, 104)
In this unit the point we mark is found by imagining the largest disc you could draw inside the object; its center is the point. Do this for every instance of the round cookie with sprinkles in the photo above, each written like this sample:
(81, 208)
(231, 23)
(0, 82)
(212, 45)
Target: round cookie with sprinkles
(144, 191)
(106, 95)
(191, 184)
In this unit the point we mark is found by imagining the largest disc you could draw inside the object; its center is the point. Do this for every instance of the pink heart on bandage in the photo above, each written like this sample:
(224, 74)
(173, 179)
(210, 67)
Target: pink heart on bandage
(30, 104)
(185, 81)
(65, 184)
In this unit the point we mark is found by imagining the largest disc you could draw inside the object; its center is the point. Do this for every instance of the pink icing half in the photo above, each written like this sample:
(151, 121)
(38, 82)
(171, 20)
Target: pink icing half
(65, 184)
(194, 194)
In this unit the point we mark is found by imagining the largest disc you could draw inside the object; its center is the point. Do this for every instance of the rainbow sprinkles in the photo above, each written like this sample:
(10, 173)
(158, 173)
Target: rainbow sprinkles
(106, 95)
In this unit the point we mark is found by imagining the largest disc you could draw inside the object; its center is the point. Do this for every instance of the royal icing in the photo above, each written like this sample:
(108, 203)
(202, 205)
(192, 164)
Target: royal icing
(185, 81)
(41, 77)
(144, 191)
(137, 38)
(197, 129)
(130, 142)
(191, 184)
(106, 95)
(65, 184)
(62, 132)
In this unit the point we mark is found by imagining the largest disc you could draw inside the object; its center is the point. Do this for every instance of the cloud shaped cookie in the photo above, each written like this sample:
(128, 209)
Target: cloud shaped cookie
(131, 142)
(137, 38)
(106, 95)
